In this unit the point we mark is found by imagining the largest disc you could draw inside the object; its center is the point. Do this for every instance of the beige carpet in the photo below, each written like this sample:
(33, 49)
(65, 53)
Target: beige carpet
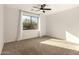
(40, 46)
(62, 44)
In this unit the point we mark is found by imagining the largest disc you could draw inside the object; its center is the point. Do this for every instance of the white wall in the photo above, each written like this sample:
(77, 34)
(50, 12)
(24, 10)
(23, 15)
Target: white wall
(1, 26)
(11, 23)
(58, 24)
(26, 34)
(42, 24)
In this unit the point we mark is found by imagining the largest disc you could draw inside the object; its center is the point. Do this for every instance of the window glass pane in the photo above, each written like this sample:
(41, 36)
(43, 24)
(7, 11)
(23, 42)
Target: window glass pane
(26, 18)
(34, 19)
(30, 22)
(35, 22)
(26, 22)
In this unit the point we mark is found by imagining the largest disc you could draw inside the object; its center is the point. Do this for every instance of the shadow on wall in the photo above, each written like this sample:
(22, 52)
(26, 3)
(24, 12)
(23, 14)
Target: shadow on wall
(71, 37)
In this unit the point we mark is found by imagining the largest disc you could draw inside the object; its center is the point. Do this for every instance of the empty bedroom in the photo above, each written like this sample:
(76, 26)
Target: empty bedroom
(39, 29)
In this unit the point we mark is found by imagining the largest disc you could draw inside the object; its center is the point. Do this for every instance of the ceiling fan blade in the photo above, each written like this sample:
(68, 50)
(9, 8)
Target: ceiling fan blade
(35, 7)
(46, 9)
(35, 10)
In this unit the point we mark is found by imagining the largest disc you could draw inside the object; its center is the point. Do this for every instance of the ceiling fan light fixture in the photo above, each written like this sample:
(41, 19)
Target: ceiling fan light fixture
(43, 11)
(42, 8)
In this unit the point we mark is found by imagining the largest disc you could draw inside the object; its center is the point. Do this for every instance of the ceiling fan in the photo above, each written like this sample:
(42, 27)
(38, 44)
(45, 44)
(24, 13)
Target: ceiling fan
(42, 7)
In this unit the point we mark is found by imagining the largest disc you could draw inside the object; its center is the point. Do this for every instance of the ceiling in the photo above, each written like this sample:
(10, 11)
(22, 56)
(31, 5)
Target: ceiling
(55, 7)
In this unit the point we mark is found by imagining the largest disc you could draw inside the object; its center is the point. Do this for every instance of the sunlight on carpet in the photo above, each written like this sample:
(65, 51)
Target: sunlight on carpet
(62, 44)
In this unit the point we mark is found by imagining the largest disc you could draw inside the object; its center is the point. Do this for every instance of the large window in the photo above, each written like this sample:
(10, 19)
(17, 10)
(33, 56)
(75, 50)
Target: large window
(30, 22)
